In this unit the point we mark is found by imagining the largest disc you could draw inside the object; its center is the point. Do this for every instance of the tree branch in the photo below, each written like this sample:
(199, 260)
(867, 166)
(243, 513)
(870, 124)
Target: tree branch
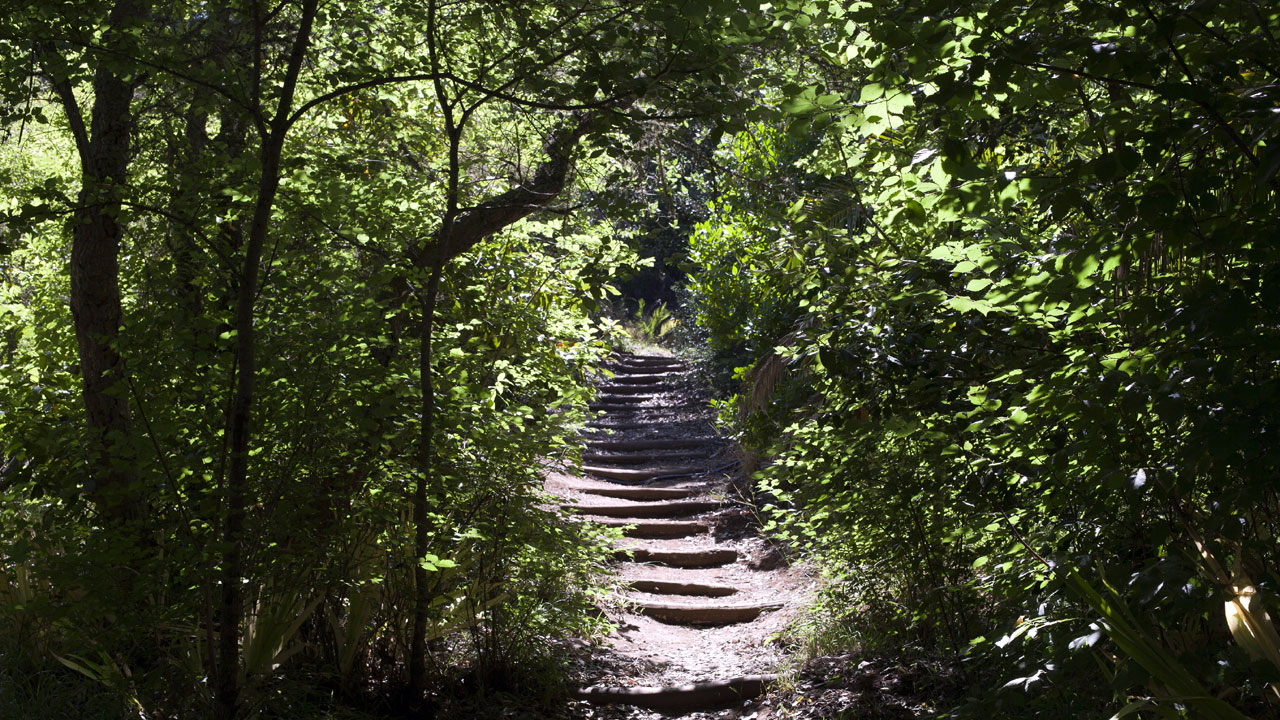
(356, 87)
(74, 118)
(474, 224)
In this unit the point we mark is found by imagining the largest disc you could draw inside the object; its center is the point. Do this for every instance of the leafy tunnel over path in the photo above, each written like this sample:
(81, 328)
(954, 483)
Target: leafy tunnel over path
(299, 298)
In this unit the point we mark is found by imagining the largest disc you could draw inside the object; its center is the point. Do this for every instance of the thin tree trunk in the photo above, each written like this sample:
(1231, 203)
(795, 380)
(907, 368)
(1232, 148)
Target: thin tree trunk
(231, 609)
(185, 153)
(426, 482)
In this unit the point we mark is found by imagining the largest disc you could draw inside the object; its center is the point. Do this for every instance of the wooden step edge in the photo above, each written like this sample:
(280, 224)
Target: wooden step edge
(642, 458)
(622, 398)
(640, 378)
(625, 409)
(637, 389)
(656, 586)
(637, 407)
(711, 557)
(653, 529)
(645, 359)
(656, 444)
(704, 695)
(631, 410)
(636, 401)
(616, 427)
(617, 370)
(642, 494)
(704, 614)
(628, 399)
(661, 509)
(640, 475)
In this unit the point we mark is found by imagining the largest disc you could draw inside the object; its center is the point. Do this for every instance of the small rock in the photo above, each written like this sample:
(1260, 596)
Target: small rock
(766, 558)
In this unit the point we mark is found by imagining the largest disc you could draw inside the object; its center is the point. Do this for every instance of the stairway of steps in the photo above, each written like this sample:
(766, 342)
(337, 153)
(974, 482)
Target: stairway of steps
(698, 609)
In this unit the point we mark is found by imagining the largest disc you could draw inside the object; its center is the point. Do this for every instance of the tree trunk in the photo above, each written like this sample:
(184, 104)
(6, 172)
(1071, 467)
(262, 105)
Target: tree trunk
(231, 608)
(425, 485)
(95, 287)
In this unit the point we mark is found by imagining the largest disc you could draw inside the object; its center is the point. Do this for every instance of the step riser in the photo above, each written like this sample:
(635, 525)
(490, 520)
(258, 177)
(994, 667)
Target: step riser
(645, 459)
(667, 587)
(707, 559)
(623, 398)
(646, 362)
(640, 493)
(628, 407)
(701, 696)
(640, 379)
(657, 510)
(616, 427)
(639, 475)
(653, 531)
(631, 402)
(652, 410)
(701, 615)
(649, 391)
(642, 445)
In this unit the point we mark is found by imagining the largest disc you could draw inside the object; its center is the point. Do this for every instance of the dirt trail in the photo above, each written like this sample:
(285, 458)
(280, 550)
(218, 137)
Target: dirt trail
(704, 594)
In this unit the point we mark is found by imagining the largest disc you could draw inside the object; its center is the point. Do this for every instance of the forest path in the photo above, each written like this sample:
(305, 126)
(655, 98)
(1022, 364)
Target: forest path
(703, 594)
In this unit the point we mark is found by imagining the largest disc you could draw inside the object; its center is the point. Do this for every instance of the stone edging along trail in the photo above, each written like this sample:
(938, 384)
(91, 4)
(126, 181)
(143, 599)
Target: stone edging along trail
(704, 594)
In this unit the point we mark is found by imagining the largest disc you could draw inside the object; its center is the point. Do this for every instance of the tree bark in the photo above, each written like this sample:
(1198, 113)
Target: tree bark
(424, 486)
(231, 608)
(95, 287)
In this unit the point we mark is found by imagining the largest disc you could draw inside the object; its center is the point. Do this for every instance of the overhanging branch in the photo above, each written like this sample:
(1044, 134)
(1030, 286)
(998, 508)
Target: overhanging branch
(476, 223)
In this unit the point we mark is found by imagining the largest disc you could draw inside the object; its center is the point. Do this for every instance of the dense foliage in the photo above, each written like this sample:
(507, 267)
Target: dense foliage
(1007, 331)
(297, 301)
(282, 351)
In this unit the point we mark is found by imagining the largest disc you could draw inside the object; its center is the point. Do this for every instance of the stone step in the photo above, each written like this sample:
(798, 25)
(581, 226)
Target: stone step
(632, 409)
(707, 557)
(645, 359)
(651, 360)
(686, 614)
(656, 427)
(696, 696)
(642, 528)
(642, 475)
(664, 509)
(671, 587)
(642, 458)
(623, 492)
(631, 390)
(637, 401)
(629, 400)
(631, 422)
(641, 378)
(655, 444)
(634, 368)
(617, 426)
